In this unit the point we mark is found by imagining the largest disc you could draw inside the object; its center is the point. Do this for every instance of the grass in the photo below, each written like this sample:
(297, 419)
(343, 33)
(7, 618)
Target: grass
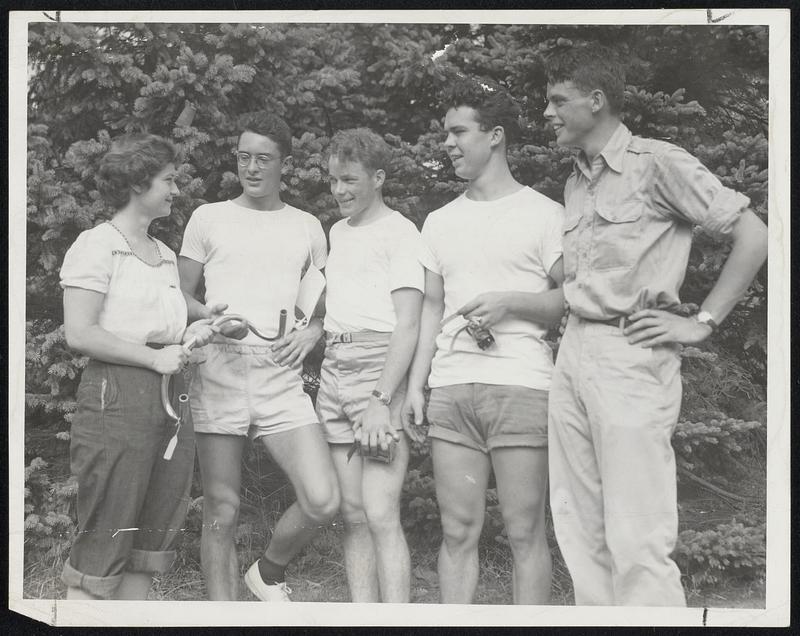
(317, 575)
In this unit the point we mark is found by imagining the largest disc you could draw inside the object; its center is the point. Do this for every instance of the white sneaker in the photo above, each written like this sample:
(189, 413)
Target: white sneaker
(278, 593)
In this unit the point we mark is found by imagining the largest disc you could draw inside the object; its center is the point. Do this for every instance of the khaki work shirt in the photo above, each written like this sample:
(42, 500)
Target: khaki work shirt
(628, 224)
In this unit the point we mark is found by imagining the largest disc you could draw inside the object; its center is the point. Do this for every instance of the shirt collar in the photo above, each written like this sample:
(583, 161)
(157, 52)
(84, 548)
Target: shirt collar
(612, 153)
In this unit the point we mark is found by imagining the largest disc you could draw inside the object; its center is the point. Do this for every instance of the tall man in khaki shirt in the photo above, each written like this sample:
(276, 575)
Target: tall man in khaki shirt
(616, 392)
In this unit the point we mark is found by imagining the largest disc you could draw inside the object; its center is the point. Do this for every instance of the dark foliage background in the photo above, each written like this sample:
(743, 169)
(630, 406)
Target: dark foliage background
(701, 87)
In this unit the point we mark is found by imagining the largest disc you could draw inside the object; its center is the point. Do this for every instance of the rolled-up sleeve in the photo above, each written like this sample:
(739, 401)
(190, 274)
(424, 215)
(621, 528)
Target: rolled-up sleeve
(683, 187)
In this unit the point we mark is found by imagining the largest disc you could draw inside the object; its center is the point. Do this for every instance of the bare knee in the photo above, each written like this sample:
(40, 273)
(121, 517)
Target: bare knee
(321, 503)
(352, 513)
(525, 532)
(461, 532)
(220, 510)
(382, 517)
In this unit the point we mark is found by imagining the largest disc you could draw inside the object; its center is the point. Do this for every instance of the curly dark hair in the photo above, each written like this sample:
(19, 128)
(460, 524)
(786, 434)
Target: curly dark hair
(268, 125)
(492, 104)
(591, 66)
(361, 145)
(132, 160)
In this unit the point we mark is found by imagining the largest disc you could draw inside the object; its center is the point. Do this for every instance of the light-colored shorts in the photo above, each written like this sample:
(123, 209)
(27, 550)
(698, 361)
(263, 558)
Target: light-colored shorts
(349, 373)
(239, 390)
(488, 416)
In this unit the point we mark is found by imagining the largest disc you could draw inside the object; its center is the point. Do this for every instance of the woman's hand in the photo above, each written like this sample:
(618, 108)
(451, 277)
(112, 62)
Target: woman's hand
(199, 333)
(169, 360)
(235, 329)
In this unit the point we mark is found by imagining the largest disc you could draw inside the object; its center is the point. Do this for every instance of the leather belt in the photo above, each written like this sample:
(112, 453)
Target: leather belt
(356, 336)
(618, 321)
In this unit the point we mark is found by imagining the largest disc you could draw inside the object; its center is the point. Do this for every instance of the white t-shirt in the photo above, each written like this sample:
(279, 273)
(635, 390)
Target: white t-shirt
(508, 244)
(366, 264)
(143, 303)
(253, 259)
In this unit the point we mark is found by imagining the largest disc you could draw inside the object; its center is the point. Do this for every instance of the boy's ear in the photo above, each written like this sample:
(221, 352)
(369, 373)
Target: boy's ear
(380, 178)
(287, 163)
(599, 100)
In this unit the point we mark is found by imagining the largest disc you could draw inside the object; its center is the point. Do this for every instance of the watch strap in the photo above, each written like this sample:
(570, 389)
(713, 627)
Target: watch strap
(385, 398)
(706, 318)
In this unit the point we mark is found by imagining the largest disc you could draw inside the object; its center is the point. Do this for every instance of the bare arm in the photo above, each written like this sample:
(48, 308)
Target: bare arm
(376, 423)
(747, 255)
(543, 307)
(653, 327)
(297, 344)
(190, 273)
(429, 328)
(84, 334)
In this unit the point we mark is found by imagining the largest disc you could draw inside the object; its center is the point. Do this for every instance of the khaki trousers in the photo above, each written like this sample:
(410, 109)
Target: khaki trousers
(613, 408)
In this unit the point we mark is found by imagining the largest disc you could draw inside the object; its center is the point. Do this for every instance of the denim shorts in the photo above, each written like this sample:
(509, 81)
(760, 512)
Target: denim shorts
(132, 503)
(238, 389)
(488, 416)
(348, 375)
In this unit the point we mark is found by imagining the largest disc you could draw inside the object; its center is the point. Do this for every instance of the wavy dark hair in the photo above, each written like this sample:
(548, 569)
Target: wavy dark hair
(268, 125)
(361, 145)
(590, 67)
(132, 160)
(493, 105)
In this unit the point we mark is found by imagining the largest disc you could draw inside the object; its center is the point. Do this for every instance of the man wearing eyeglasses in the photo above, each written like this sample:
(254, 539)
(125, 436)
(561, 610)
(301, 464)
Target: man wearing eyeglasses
(631, 204)
(252, 252)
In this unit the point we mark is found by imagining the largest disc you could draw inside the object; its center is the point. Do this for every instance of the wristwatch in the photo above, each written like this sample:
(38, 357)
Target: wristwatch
(705, 318)
(385, 398)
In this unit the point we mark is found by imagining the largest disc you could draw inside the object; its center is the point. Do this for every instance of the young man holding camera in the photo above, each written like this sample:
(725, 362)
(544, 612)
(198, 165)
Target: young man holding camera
(491, 257)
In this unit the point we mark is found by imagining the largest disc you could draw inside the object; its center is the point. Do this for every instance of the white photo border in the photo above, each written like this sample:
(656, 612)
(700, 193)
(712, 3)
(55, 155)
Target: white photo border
(202, 613)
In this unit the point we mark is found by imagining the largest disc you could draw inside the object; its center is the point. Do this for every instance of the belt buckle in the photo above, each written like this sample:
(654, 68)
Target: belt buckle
(346, 338)
(623, 322)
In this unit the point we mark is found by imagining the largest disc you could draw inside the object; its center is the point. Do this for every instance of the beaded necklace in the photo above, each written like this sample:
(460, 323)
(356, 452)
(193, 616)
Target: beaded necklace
(125, 238)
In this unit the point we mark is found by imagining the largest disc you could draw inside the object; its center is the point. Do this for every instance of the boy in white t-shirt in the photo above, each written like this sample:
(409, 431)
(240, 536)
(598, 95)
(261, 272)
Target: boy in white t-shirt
(252, 252)
(491, 257)
(373, 301)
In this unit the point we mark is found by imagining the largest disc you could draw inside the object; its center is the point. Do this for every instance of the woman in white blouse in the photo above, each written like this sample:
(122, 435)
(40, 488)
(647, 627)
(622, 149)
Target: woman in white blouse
(124, 309)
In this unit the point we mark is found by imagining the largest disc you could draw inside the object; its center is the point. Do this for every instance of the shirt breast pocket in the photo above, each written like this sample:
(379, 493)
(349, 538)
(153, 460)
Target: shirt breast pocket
(570, 245)
(617, 234)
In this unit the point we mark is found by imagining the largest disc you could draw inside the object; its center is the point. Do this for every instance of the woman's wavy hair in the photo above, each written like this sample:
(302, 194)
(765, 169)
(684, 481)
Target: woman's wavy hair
(132, 160)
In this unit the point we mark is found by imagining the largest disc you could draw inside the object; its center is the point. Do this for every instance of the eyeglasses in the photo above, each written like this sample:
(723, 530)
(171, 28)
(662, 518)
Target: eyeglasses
(262, 161)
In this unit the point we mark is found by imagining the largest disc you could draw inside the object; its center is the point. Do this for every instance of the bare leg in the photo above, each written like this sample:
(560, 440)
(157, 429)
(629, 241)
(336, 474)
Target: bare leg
(220, 466)
(521, 475)
(359, 550)
(461, 476)
(382, 485)
(303, 455)
(134, 586)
